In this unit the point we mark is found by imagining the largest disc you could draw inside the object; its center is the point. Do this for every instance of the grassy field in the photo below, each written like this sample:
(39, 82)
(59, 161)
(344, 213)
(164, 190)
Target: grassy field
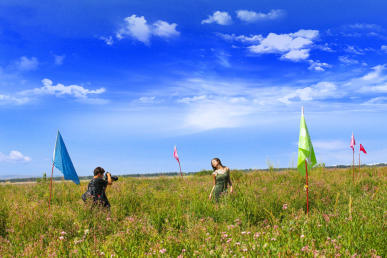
(171, 217)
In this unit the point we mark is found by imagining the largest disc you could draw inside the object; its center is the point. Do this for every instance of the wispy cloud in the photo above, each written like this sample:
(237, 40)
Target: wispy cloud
(27, 63)
(221, 18)
(137, 27)
(14, 156)
(59, 59)
(292, 46)
(251, 16)
(59, 89)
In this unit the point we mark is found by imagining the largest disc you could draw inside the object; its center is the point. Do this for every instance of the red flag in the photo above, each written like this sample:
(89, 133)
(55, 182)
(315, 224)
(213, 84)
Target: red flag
(177, 158)
(175, 155)
(362, 149)
(352, 145)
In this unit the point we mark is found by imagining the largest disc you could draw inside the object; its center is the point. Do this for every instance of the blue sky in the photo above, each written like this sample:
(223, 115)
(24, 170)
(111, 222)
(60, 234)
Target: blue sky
(125, 81)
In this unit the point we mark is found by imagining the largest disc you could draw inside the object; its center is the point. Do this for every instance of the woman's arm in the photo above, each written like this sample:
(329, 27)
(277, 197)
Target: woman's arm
(109, 177)
(214, 181)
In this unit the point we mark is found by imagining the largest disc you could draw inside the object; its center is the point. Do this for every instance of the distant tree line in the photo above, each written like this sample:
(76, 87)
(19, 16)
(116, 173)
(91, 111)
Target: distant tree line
(199, 173)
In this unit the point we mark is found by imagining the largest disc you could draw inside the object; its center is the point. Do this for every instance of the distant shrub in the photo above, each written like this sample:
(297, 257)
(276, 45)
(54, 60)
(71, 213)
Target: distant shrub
(203, 173)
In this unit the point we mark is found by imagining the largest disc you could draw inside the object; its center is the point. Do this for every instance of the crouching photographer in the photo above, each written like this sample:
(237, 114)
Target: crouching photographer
(97, 187)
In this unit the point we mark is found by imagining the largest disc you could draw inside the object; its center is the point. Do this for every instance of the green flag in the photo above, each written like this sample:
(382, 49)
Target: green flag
(305, 148)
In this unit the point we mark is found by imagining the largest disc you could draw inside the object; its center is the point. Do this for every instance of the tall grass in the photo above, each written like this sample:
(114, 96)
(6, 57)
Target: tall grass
(168, 216)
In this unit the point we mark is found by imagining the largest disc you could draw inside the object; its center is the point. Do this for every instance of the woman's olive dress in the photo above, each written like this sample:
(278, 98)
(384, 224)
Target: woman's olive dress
(222, 179)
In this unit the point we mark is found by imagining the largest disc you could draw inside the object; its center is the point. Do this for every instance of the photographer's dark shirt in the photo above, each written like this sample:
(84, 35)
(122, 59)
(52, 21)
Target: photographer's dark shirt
(97, 188)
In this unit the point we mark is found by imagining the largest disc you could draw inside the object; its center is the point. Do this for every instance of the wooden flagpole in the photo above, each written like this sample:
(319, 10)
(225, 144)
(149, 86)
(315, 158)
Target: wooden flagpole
(353, 165)
(52, 173)
(180, 170)
(307, 188)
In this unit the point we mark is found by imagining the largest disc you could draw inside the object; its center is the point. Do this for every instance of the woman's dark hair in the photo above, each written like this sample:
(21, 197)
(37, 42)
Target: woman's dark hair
(218, 160)
(98, 170)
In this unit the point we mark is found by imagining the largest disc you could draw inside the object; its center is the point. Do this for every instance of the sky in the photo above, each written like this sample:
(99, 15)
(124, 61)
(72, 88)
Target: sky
(126, 81)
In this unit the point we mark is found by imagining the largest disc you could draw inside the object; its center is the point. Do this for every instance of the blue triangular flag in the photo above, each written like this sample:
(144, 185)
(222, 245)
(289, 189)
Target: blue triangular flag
(63, 162)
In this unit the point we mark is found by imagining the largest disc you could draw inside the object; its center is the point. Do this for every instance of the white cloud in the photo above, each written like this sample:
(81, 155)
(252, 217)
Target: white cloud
(7, 99)
(316, 65)
(14, 156)
(365, 26)
(251, 16)
(221, 18)
(59, 90)
(192, 99)
(147, 100)
(292, 46)
(108, 40)
(296, 55)
(375, 74)
(241, 38)
(347, 60)
(223, 59)
(135, 27)
(377, 100)
(139, 29)
(199, 104)
(321, 90)
(384, 48)
(164, 29)
(59, 59)
(27, 64)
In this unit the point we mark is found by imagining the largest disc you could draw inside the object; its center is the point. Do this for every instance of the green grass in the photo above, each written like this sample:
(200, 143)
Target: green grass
(168, 216)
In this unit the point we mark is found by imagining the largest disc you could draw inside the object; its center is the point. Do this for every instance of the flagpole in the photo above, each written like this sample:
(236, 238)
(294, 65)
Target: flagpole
(307, 188)
(52, 173)
(180, 170)
(353, 165)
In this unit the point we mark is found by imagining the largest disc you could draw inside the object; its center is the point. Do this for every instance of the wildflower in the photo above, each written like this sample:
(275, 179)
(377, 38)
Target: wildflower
(183, 250)
(102, 253)
(163, 250)
(61, 238)
(237, 243)
(229, 240)
(302, 236)
(248, 232)
(243, 232)
(285, 206)
(244, 249)
(256, 235)
(305, 248)
(224, 235)
(180, 256)
(275, 226)
(63, 233)
(273, 239)
(326, 217)
(108, 218)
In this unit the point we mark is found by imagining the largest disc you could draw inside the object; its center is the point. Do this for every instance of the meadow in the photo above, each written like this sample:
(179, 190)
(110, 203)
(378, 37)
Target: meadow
(172, 217)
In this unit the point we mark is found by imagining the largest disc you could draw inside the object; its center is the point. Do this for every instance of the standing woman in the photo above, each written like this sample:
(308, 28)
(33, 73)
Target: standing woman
(221, 179)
